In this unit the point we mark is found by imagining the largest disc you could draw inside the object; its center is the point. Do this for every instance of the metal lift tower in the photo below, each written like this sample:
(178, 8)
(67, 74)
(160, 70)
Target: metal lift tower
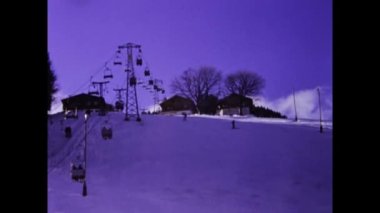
(131, 105)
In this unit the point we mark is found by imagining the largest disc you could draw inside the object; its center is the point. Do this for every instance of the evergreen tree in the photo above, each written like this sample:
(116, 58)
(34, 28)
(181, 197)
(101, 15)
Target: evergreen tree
(52, 86)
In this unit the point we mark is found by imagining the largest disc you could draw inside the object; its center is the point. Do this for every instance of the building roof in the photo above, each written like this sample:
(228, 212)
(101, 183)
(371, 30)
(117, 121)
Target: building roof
(83, 101)
(177, 102)
(176, 98)
(235, 100)
(83, 97)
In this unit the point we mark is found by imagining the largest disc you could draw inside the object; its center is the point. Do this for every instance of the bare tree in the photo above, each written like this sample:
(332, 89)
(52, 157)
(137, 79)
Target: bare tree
(245, 83)
(196, 84)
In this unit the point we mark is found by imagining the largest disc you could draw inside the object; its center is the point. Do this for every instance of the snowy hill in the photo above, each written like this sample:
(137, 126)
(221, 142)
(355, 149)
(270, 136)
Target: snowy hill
(165, 164)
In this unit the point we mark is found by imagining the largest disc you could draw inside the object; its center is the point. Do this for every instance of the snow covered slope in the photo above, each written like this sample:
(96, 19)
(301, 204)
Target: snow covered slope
(165, 164)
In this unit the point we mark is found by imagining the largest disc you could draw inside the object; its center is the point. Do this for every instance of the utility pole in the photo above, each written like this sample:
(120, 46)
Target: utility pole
(320, 112)
(295, 108)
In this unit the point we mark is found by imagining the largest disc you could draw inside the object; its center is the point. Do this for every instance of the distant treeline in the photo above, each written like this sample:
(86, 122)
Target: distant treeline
(260, 111)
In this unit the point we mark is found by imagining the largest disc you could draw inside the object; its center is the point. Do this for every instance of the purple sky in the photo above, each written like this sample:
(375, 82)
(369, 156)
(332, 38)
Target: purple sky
(288, 42)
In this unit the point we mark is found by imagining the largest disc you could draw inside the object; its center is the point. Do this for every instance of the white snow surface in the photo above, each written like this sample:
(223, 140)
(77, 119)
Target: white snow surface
(165, 164)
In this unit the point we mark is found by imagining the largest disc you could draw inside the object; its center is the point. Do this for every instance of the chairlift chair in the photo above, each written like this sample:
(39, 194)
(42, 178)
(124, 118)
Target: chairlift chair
(117, 63)
(119, 105)
(78, 173)
(108, 73)
(93, 91)
(139, 61)
(106, 133)
(132, 81)
(147, 72)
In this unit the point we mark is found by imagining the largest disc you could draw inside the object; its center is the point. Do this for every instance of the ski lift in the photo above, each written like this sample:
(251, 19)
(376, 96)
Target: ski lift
(78, 173)
(108, 73)
(132, 81)
(147, 72)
